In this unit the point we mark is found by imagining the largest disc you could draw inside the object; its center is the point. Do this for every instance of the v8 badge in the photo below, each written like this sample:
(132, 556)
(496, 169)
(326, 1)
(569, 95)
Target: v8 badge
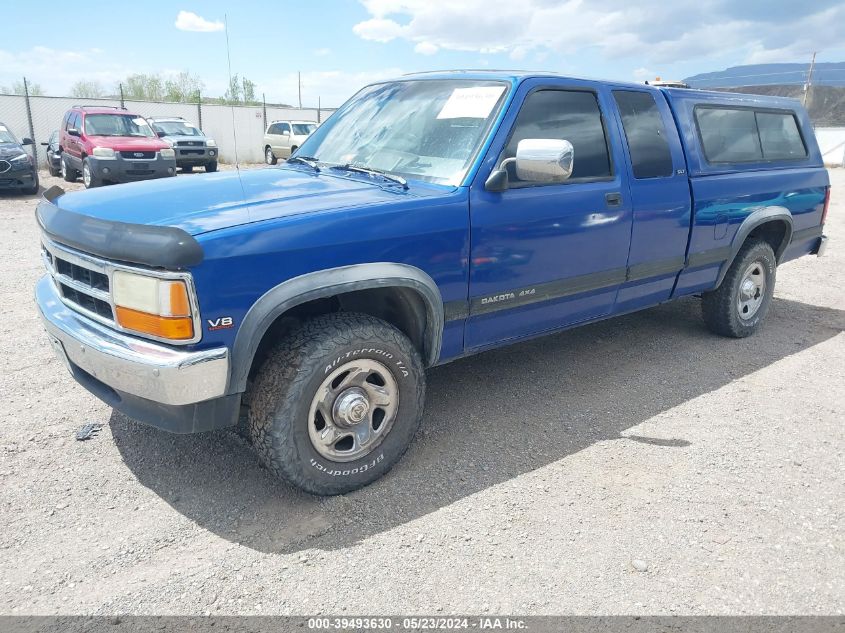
(221, 323)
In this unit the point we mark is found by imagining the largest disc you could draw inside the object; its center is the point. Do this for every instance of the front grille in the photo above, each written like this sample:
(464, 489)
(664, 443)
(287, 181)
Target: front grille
(82, 281)
(92, 304)
(138, 155)
(91, 278)
(189, 143)
(5, 166)
(191, 152)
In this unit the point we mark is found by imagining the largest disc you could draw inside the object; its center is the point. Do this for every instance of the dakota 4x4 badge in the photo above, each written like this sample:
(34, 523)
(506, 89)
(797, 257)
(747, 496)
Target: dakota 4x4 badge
(221, 323)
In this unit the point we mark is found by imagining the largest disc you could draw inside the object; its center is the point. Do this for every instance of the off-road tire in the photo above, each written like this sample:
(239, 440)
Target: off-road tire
(211, 167)
(69, 174)
(269, 156)
(720, 306)
(283, 389)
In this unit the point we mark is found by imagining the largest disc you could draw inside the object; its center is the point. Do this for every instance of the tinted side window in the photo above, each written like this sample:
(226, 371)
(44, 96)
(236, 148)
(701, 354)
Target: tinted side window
(646, 135)
(779, 136)
(728, 135)
(564, 115)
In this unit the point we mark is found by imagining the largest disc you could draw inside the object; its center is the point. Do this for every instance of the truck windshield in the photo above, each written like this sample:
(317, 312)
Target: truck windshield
(6, 136)
(116, 125)
(428, 130)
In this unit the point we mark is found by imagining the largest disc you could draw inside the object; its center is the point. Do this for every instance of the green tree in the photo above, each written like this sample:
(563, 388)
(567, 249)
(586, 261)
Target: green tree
(233, 94)
(184, 87)
(35, 90)
(143, 87)
(87, 89)
(249, 91)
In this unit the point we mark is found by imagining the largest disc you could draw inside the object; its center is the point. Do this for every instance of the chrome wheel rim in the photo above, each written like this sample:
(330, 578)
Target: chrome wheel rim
(353, 410)
(63, 169)
(86, 175)
(752, 289)
(268, 156)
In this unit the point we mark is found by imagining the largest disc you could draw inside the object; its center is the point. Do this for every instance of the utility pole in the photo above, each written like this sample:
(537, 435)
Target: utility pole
(299, 86)
(809, 79)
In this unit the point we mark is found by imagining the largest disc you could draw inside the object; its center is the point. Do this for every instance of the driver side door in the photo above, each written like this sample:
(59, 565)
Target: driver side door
(548, 255)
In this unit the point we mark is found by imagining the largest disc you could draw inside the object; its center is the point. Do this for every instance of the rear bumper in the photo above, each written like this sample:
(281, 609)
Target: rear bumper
(127, 170)
(176, 390)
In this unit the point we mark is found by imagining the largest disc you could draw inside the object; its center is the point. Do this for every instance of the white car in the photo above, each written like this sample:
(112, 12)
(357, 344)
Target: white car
(282, 138)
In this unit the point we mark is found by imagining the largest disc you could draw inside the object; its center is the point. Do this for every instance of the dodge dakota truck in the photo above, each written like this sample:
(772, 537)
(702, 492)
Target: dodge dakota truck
(431, 217)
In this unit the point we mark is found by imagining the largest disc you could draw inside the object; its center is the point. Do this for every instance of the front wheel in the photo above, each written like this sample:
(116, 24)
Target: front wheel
(336, 404)
(269, 156)
(211, 167)
(88, 178)
(739, 305)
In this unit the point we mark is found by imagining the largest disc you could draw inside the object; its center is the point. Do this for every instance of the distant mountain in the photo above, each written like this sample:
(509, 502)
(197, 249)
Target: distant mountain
(824, 74)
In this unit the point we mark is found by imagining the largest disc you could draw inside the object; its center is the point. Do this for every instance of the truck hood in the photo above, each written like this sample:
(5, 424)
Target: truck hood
(172, 139)
(129, 143)
(208, 202)
(8, 150)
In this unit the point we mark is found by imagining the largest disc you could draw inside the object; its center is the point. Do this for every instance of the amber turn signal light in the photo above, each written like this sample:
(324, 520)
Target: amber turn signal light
(174, 328)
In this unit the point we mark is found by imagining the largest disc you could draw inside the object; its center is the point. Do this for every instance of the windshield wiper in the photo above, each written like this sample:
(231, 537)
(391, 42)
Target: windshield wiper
(305, 160)
(373, 172)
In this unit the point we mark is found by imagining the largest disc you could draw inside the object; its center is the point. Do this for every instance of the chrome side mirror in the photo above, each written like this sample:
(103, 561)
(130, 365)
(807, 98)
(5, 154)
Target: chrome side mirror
(544, 160)
(537, 160)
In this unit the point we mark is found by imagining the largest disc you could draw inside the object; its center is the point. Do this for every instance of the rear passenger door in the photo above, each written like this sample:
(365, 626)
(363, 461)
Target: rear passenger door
(544, 256)
(660, 198)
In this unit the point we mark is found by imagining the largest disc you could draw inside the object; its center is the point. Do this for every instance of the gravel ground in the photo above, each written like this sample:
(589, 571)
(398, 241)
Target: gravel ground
(635, 466)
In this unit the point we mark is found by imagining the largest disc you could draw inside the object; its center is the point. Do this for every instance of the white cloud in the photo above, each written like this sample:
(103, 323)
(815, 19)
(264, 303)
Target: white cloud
(426, 48)
(188, 21)
(650, 31)
(57, 70)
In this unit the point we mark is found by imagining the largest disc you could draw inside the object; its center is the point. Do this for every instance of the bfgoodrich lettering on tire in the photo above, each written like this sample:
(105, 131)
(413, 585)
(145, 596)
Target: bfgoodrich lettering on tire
(336, 404)
(738, 306)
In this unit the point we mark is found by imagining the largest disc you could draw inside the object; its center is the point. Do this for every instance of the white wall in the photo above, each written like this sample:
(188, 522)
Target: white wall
(832, 144)
(217, 120)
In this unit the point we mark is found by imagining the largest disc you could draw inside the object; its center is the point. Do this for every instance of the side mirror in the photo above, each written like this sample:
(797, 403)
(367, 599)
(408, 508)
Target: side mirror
(285, 132)
(45, 144)
(161, 134)
(73, 131)
(537, 160)
(26, 141)
(544, 160)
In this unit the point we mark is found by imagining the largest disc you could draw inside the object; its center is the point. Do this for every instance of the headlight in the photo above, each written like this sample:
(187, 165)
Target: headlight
(103, 152)
(167, 153)
(149, 305)
(210, 142)
(19, 158)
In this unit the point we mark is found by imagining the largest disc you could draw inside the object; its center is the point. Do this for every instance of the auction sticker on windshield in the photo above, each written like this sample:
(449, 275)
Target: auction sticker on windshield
(471, 103)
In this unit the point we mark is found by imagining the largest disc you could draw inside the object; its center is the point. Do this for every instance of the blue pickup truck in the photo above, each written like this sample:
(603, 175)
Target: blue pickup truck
(431, 217)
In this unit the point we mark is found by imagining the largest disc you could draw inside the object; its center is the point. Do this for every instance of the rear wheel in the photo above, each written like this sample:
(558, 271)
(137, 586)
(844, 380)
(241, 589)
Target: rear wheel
(739, 305)
(68, 172)
(336, 404)
(269, 156)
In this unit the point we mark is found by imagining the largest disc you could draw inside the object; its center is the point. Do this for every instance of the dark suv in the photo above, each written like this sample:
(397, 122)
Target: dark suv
(17, 168)
(107, 144)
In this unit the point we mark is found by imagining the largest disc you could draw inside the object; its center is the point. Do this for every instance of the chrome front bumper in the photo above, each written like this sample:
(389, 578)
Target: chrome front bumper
(128, 364)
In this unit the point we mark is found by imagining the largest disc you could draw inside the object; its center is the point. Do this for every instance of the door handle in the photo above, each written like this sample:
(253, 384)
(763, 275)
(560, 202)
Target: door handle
(613, 199)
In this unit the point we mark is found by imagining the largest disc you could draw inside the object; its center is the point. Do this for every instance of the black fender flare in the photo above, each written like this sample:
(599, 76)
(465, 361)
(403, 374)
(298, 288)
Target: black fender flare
(327, 283)
(756, 218)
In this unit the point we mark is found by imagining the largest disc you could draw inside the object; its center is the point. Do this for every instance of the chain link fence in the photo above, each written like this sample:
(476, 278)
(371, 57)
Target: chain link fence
(238, 130)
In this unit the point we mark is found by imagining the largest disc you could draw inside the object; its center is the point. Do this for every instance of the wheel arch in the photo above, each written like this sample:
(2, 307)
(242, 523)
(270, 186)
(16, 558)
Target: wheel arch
(774, 224)
(355, 288)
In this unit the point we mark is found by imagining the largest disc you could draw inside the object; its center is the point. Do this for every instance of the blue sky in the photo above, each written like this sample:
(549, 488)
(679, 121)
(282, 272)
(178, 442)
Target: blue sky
(340, 45)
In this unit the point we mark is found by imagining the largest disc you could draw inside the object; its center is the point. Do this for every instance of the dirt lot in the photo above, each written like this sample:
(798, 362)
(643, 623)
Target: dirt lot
(640, 465)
